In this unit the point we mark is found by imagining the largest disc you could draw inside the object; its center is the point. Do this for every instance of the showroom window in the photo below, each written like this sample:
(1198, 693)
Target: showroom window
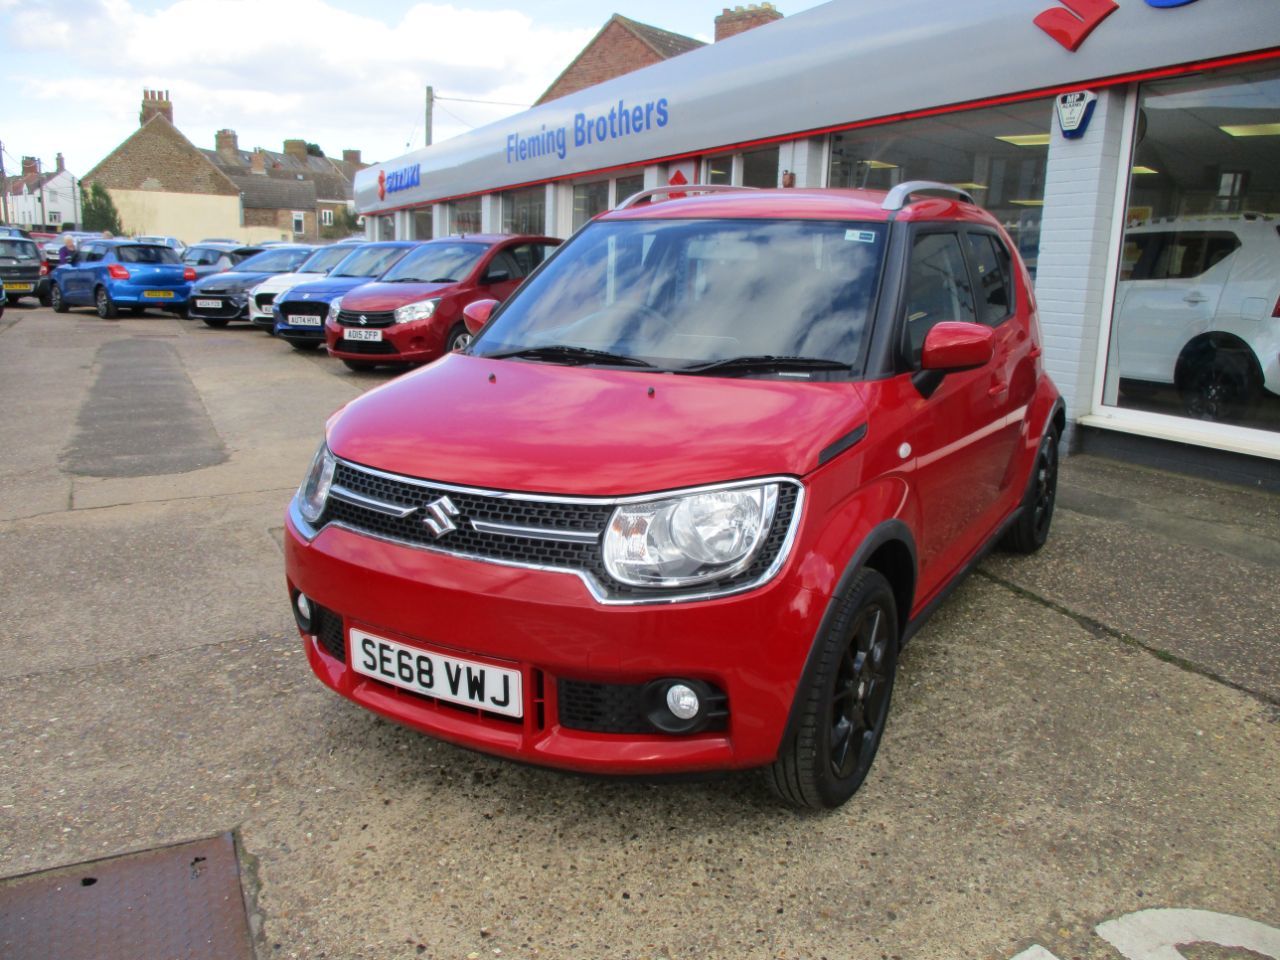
(718, 169)
(627, 186)
(760, 168)
(524, 211)
(464, 216)
(385, 228)
(1194, 330)
(422, 225)
(998, 154)
(589, 199)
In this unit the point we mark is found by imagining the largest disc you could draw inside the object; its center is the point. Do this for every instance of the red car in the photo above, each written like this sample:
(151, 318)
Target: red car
(684, 497)
(413, 313)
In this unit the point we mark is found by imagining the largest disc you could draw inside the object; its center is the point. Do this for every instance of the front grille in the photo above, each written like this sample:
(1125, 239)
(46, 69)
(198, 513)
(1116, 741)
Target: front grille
(303, 333)
(493, 508)
(351, 318)
(327, 627)
(226, 309)
(379, 347)
(621, 708)
(264, 300)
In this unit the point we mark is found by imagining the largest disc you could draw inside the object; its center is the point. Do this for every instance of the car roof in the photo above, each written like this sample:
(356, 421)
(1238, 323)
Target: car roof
(800, 204)
(492, 238)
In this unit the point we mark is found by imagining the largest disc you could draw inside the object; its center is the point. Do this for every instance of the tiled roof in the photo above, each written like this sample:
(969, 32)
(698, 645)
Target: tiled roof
(328, 179)
(275, 193)
(664, 43)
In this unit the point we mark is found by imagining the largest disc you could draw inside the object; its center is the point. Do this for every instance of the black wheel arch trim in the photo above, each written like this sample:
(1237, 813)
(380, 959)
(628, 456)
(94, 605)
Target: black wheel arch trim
(887, 532)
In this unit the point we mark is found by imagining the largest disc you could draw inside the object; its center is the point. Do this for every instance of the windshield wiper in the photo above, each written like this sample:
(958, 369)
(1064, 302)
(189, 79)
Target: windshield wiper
(765, 363)
(570, 353)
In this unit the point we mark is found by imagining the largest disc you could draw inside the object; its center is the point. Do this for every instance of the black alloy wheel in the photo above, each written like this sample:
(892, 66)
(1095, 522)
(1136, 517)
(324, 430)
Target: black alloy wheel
(844, 705)
(1222, 387)
(215, 322)
(1030, 531)
(107, 308)
(56, 301)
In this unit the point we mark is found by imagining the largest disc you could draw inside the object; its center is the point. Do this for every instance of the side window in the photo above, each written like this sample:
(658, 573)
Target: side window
(937, 288)
(94, 252)
(504, 261)
(1188, 255)
(528, 256)
(992, 274)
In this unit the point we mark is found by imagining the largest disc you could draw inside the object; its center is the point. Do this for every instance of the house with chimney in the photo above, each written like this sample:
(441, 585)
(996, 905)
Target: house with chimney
(36, 199)
(162, 183)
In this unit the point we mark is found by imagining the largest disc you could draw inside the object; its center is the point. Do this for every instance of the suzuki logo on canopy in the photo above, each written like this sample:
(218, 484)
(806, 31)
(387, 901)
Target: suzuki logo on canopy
(1073, 21)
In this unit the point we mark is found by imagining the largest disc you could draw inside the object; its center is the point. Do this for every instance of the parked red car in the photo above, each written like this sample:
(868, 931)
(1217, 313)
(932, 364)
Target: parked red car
(413, 313)
(682, 500)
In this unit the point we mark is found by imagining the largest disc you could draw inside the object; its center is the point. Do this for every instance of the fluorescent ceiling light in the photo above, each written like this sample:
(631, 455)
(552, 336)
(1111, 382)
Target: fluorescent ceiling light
(1140, 171)
(1028, 203)
(1252, 129)
(970, 186)
(878, 165)
(1027, 139)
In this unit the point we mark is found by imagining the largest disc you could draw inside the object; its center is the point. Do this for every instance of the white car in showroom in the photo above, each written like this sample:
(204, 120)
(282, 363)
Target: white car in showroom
(315, 266)
(1198, 306)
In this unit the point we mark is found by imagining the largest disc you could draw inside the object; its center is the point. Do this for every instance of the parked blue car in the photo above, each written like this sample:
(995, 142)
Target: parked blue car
(300, 311)
(111, 274)
(223, 297)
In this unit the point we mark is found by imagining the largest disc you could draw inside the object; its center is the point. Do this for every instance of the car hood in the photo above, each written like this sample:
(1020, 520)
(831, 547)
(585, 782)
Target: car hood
(544, 428)
(325, 290)
(229, 282)
(283, 281)
(387, 296)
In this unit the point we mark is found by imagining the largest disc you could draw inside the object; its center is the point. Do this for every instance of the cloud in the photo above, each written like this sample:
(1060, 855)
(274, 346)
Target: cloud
(271, 71)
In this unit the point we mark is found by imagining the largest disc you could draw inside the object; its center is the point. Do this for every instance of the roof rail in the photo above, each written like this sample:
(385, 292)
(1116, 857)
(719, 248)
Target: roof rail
(671, 188)
(898, 196)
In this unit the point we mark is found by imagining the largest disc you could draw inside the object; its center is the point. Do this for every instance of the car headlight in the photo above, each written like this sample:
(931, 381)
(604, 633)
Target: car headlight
(422, 310)
(334, 306)
(680, 541)
(314, 492)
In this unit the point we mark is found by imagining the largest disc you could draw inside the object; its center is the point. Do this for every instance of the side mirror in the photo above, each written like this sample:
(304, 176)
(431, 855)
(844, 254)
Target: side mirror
(952, 346)
(497, 276)
(475, 315)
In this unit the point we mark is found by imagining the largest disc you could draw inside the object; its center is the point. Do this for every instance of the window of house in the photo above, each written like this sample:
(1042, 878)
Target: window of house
(589, 199)
(524, 211)
(299, 222)
(464, 216)
(326, 218)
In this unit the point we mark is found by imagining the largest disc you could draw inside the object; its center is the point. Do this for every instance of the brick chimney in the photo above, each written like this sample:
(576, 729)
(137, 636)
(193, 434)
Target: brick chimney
(352, 157)
(228, 144)
(30, 168)
(296, 148)
(62, 164)
(153, 102)
(741, 19)
(258, 163)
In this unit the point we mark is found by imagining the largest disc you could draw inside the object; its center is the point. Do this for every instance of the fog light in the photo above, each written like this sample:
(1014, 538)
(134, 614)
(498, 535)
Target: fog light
(304, 608)
(682, 701)
(302, 611)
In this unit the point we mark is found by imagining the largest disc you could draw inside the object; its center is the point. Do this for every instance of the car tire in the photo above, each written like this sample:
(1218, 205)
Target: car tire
(44, 299)
(214, 322)
(844, 704)
(306, 346)
(1031, 529)
(56, 300)
(14, 300)
(458, 338)
(106, 307)
(1219, 383)
(360, 366)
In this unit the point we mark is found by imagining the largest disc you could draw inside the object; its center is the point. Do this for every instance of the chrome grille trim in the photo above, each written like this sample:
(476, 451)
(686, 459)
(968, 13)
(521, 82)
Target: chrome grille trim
(378, 506)
(534, 533)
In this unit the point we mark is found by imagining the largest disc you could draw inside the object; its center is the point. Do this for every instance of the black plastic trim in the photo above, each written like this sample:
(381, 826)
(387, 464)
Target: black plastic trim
(842, 444)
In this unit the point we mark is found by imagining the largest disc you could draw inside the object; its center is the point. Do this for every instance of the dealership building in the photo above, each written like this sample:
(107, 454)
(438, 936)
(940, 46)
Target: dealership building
(1131, 148)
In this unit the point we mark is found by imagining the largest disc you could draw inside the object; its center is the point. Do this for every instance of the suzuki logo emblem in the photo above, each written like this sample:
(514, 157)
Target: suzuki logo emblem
(439, 517)
(363, 319)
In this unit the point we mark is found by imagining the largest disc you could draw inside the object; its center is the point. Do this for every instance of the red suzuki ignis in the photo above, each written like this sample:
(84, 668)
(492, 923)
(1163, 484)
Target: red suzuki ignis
(682, 500)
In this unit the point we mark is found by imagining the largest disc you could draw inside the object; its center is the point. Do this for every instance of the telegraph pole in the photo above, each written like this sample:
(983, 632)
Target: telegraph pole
(4, 187)
(44, 214)
(431, 104)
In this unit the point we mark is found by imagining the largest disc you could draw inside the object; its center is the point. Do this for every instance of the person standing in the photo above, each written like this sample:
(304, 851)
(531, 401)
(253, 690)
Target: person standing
(67, 250)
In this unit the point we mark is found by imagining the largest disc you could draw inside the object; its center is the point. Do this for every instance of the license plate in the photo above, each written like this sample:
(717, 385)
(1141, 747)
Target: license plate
(158, 294)
(307, 322)
(479, 685)
(363, 335)
(20, 286)
(209, 304)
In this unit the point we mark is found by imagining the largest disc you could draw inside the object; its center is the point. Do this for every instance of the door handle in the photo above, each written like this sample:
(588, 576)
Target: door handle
(1195, 297)
(1034, 352)
(998, 389)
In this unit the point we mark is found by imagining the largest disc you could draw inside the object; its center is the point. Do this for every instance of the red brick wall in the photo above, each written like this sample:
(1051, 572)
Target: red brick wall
(614, 52)
(158, 157)
(741, 19)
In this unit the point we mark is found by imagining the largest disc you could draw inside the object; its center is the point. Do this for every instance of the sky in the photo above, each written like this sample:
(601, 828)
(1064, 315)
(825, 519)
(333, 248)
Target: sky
(341, 73)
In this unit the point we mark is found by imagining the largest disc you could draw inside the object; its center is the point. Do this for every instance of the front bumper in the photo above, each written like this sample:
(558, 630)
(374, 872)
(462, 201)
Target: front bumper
(230, 306)
(418, 342)
(545, 624)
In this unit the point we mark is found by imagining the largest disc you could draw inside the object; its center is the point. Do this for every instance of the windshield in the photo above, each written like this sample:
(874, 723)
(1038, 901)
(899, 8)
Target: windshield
(324, 259)
(442, 261)
(146, 254)
(273, 261)
(680, 294)
(18, 249)
(369, 262)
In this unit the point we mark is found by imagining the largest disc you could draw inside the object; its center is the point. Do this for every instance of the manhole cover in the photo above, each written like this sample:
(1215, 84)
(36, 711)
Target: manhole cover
(173, 902)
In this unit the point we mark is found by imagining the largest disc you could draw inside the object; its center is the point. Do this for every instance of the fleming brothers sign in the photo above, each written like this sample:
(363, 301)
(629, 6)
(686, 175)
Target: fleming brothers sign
(621, 121)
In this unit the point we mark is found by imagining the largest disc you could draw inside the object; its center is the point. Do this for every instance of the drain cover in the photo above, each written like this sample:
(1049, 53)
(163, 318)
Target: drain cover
(173, 902)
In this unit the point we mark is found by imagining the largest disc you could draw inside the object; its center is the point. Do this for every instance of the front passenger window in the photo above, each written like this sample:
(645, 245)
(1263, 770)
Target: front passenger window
(937, 288)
